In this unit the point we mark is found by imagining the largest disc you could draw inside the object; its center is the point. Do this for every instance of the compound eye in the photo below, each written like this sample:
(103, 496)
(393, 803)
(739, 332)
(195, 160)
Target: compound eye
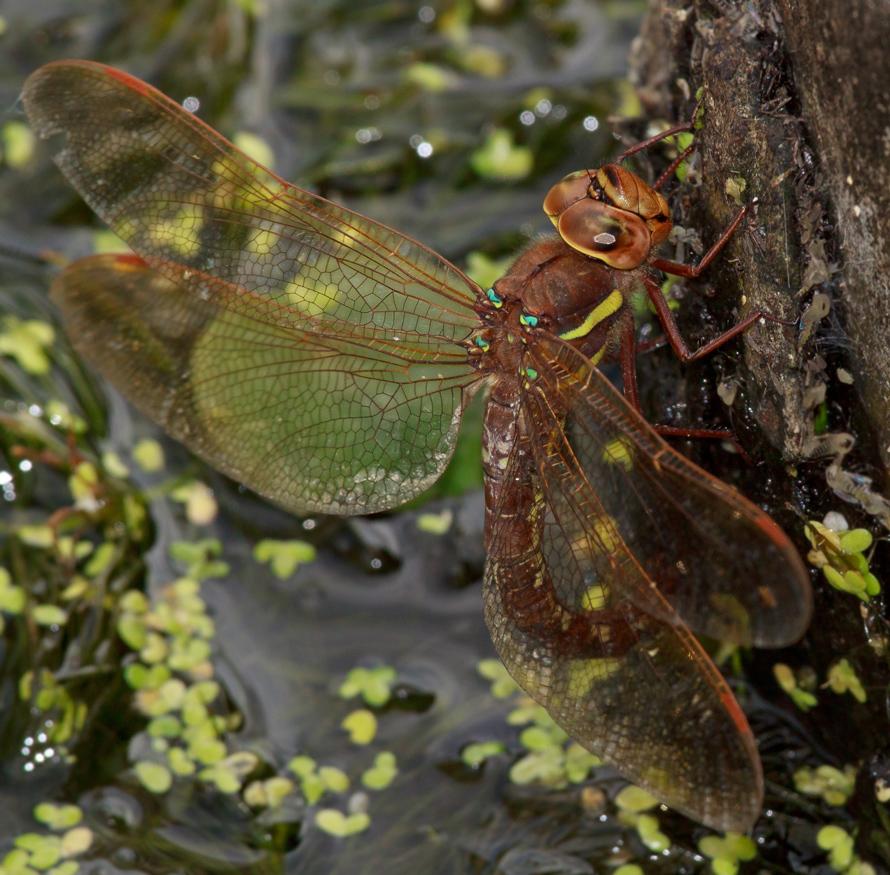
(568, 191)
(619, 238)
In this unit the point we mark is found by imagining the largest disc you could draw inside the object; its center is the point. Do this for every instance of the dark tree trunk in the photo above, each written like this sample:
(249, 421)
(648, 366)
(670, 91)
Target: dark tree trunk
(797, 115)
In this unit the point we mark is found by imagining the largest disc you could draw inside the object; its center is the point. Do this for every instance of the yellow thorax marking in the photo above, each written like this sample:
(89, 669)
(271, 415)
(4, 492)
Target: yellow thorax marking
(601, 311)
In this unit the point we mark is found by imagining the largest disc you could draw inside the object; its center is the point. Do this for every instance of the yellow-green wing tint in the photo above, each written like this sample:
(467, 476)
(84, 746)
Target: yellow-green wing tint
(720, 562)
(315, 423)
(279, 329)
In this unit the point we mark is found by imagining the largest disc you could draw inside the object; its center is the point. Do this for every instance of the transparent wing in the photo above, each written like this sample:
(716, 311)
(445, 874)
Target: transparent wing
(313, 422)
(278, 329)
(720, 562)
(601, 530)
(635, 689)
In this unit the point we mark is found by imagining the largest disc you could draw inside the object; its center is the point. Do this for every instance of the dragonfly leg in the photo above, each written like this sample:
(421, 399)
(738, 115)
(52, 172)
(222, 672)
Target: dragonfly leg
(631, 391)
(670, 132)
(628, 361)
(690, 271)
(669, 170)
(671, 330)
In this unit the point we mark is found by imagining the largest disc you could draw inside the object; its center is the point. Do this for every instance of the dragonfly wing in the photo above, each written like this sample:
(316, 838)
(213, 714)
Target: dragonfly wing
(720, 562)
(633, 687)
(364, 329)
(314, 423)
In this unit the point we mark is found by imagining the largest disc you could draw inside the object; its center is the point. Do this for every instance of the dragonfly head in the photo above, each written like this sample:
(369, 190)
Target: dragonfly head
(609, 214)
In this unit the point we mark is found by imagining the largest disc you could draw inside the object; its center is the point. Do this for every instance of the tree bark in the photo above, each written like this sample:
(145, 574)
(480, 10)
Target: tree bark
(840, 56)
(796, 99)
(778, 107)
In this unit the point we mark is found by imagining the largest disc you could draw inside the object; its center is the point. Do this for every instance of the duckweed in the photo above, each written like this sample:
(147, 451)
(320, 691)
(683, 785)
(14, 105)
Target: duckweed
(475, 755)
(501, 159)
(435, 523)
(632, 802)
(842, 678)
(503, 686)
(284, 557)
(786, 679)
(155, 777)
(18, 143)
(340, 825)
(726, 853)
(832, 784)
(27, 341)
(149, 455)
(382, 773)
(649, 831)
(315, 781)
(12, 598)
(58, 816)
(839, 552)
(374, 685)
(200, 558)
(201, 507)
(269, 793)
(361, 726)
(635, 800)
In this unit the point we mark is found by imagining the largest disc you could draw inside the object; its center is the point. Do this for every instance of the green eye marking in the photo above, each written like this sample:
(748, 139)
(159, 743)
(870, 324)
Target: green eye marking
(493, 297)
(601, 311)
(531, 373)
(483, 344)
(531, 321)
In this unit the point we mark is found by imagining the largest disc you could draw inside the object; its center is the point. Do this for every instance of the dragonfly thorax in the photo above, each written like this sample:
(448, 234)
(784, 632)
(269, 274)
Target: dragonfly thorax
(568, 294)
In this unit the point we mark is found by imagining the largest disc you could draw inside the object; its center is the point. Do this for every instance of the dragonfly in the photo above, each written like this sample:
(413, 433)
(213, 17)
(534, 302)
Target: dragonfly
(324, 360)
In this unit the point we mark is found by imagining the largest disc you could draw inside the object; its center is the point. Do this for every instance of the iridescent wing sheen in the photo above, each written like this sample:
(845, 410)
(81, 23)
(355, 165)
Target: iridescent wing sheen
(721, 563)
(623, 540)
(305, 350)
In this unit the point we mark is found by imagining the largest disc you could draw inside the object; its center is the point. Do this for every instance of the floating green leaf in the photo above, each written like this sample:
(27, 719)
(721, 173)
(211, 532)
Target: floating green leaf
(255, 147)
(788, 682)
(842, 678)
(373, 685)
(26, 342)
(503, 686)
(475, 755)
(284, 557)
(727, 852)
(77, 841)
(435, 523)
(148, 455)
(153, 776)
(382, 773)
(650, 833)
(113, 465)
(337, 824)
(832, 784)
(49, 615)
(18, 144)
(58, 816)
(430, 77)
(635, 799)
(180, 762)
(361, 726)
(12, 598)
(839, 844)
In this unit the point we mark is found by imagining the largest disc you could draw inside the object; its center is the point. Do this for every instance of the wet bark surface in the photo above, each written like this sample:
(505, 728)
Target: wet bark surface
(796, 104)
